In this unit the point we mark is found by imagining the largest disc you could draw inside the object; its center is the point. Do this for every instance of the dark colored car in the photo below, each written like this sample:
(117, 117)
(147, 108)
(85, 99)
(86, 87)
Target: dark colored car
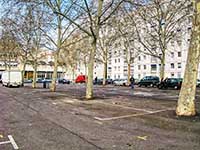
(81, 79)
(0, 78)
(98, 81)
(47, 80)
(109, 81)
(151, 81)
(174, 83)
(63, 81)
(39, 80)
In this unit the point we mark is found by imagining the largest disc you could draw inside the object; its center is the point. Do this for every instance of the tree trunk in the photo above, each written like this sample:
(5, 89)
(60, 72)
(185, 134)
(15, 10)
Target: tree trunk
(89, 89)
(129, 73)
(57, 52)
(23, 72)
(34, 74)
(105, 73)
(162, 67)
(9, 69)
(85, 68)
(54, 76)
(186, 101)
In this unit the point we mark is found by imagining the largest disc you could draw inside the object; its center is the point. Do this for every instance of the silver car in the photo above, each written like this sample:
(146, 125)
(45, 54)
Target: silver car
(120, 82)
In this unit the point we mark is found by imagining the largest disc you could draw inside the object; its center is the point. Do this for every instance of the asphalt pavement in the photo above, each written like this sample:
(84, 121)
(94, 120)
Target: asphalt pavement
(117, 119)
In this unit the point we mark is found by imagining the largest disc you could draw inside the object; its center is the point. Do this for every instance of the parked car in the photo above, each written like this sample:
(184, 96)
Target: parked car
(0, 78)
(120, 82)
(63, 81)
(174, 83)
(12, 78)
(136, 81)
(80, 79)
(47, 80)
(28, 81)
(98, 81)
(39, 80)
(109, 81)
(151, 81)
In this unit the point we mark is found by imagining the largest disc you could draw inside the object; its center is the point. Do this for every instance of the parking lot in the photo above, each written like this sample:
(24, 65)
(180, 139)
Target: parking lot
(118, 118)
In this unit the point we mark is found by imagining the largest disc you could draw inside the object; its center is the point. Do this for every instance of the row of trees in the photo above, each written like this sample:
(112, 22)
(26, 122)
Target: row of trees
(91, 28)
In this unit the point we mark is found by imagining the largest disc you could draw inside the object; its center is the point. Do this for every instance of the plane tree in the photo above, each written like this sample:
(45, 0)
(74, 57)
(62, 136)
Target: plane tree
(88, 16)
(157, 23)
(186, 101)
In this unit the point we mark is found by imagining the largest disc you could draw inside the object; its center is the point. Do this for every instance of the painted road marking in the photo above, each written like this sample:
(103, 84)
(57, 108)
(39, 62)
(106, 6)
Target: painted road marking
(11, 141)
(126, 107)
(110, 104)
(128, 116)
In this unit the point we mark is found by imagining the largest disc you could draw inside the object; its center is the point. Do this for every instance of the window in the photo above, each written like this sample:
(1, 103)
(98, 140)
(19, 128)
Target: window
(172, 65)
(172, 74)
(139, 76)
(153, 67)
(179, 65)
(145, 67)
(138, 67)
(179, 54)
(139, 58)
(179, 75)
(115, 60)
(144, 57)
(154, 59)
(189, 28)
(118, 68)
(124, 52)
(172, 54)
(172, 43)
(119, 60)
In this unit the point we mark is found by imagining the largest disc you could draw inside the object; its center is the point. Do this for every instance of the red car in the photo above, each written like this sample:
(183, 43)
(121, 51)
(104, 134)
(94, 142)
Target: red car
(80, 79)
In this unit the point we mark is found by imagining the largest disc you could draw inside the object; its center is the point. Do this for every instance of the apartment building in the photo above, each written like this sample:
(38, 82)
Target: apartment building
(144, 65)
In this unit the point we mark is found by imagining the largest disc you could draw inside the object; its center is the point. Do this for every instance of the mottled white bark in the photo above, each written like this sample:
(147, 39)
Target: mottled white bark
(186, 101)
(34, 75)
(89, 88)
(129, 73)
(54, 75)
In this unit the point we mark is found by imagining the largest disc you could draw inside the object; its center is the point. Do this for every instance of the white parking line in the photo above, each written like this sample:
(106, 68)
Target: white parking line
(127, 107)
(128, 116)
(11, 141)
(116, 105)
